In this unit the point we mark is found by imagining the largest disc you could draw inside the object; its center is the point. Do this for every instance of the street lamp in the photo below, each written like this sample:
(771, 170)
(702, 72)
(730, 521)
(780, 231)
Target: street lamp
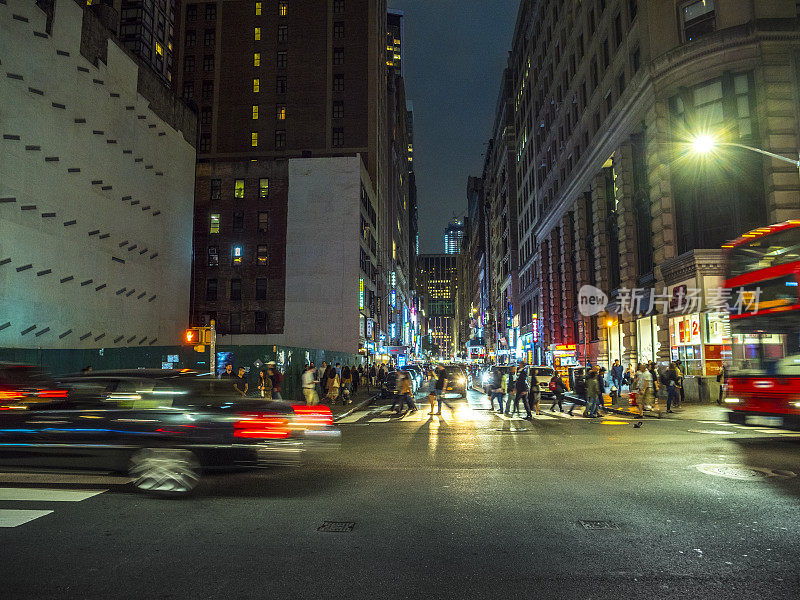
(706, 143)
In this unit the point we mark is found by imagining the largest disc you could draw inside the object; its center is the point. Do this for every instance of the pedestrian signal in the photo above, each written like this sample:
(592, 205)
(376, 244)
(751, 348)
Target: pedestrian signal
(192, 336)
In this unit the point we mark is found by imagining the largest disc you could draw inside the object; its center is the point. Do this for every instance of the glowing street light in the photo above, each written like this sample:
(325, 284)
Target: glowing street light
(705, 143)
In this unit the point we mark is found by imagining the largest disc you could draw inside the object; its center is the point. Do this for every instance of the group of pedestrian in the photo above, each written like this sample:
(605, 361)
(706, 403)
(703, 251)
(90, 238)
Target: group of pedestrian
(268, 385)
(336, 382)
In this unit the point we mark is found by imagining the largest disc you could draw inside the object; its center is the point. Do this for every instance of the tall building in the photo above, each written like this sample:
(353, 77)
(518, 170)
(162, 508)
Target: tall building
(453, 234)
(292, 195)
(395, 37)
(438, 280)
(147, 28)
(96, 184)
(607, 95)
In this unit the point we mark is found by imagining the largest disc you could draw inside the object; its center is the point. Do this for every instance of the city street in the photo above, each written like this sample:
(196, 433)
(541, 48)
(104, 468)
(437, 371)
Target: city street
(466, 505)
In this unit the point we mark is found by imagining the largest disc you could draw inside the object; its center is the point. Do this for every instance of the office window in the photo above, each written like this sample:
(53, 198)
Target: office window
(263, 222)
(338, 6)
(257, 59)
(263, 187)
(238, 222)
(282, 8)
(280, 112)
(216, 189)
(338, 83)
(237, 253)
(338, 137)
(191, 12)
(338, 30)
(282, 60)
(188, 90)
(215, 222)
(261, 321)
(206, 115)
(209, 36)
(280, 140)
(236, 289)
(211, 11)
(238, 188)
(188, 64)
(338, 109)
(235, 323)
(213, 256)
(258, 9)
(698, 19)
(280, 85)
(191, 38)
(254, 139)
(208, 90)
(283, 33)
(255, 111)
(256, 85)
(211, 289)
(338, 57)
(208, 62)
(261, 254)
(257, 34)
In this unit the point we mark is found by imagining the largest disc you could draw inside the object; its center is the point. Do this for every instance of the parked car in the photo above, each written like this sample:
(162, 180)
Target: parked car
(163, 427)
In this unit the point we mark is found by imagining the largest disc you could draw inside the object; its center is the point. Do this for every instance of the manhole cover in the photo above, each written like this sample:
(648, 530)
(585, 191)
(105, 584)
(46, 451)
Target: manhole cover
(742, 472)
(336, 526)
(599, 525)
(711, 431)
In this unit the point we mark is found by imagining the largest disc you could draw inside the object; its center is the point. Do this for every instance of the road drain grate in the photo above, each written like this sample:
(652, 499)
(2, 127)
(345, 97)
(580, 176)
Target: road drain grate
(336, 526)
(600, 525)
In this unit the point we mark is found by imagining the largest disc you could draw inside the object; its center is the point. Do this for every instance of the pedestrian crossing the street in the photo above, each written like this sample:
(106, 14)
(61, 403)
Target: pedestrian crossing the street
(22, 501)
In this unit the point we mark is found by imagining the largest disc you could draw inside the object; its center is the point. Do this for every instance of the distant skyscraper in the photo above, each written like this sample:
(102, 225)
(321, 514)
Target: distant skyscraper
(453, 234)
(395, 33)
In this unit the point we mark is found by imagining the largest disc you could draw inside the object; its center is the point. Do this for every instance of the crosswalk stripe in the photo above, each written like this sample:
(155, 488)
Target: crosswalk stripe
(380, 420)
(11, 517)
(47, 494)
(356, 416)
(63, 478)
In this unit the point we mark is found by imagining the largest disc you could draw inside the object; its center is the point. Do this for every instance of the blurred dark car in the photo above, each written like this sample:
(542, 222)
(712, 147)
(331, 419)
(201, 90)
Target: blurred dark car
(389, 386)
(164, 428)
(28, 383)
(456, 380)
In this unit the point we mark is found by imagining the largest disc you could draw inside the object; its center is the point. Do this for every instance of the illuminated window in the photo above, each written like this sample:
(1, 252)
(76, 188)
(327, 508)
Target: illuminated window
(258, 33)
(254, 139)
(394, 250)
(258, 8)
(263, 187)
(257, 59)
(238, 188)
(256, 86)
(280, 112)
(237, 255)
(282, 8)
(159, 49)
(214, 223)
(261, 254)
(255, 111)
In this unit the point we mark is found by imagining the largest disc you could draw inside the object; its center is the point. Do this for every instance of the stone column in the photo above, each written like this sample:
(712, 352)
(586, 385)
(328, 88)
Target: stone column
(567, 280)
(623, 167)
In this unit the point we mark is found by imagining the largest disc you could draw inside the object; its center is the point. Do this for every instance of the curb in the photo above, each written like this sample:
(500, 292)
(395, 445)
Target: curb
(358, 406)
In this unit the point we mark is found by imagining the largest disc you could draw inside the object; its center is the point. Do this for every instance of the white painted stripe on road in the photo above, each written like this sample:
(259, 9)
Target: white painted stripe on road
(64, 478)
(771, 430)
(356, 416)
(46, 494)
(10, 517)
(793, 434)
(380, 420)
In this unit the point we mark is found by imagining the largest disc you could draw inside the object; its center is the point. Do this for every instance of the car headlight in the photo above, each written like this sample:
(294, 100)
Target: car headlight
(732, 400)
(462, 380)
(485, 378)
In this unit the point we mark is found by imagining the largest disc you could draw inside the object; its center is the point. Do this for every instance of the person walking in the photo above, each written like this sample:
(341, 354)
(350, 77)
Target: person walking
(672, 377)
(334, 385)
(558, 387)
(681, 391)
(645, 388)
(277, 379)
(373, 374)
(406, 393)
(347, 382)
(535, 393)
(355, 375)
(496, 389)
(511, 389)
(592, 394)
(617, 375)
(323, 379)
(521, 392)
(602, 384)
(439, 387)
(309, 383)
(722, 378)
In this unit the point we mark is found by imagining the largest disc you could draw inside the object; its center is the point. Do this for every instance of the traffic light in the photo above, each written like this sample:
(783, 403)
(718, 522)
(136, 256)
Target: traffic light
(192, 336)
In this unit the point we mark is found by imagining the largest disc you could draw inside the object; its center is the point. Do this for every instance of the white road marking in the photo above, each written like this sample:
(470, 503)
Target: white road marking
(63, 478)
(356, 416)
(10, 517)
(46, 494)
(380, 420)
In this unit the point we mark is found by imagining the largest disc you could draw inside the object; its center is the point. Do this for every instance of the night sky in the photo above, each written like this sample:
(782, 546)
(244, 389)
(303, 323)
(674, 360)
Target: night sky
(455, 52)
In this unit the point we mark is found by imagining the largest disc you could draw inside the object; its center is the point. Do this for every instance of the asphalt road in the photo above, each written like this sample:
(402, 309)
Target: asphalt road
(467, 505)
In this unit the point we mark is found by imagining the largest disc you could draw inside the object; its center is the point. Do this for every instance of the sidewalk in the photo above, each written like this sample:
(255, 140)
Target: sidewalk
(701, 412)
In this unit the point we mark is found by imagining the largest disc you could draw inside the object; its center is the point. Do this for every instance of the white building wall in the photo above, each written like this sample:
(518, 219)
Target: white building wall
(56, 216)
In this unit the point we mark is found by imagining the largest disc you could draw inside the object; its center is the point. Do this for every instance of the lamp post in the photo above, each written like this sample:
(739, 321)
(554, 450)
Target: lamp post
(704, 144)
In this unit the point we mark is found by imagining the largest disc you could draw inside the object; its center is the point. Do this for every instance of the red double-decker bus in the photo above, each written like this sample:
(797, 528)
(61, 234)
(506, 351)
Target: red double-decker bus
(763, 267)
